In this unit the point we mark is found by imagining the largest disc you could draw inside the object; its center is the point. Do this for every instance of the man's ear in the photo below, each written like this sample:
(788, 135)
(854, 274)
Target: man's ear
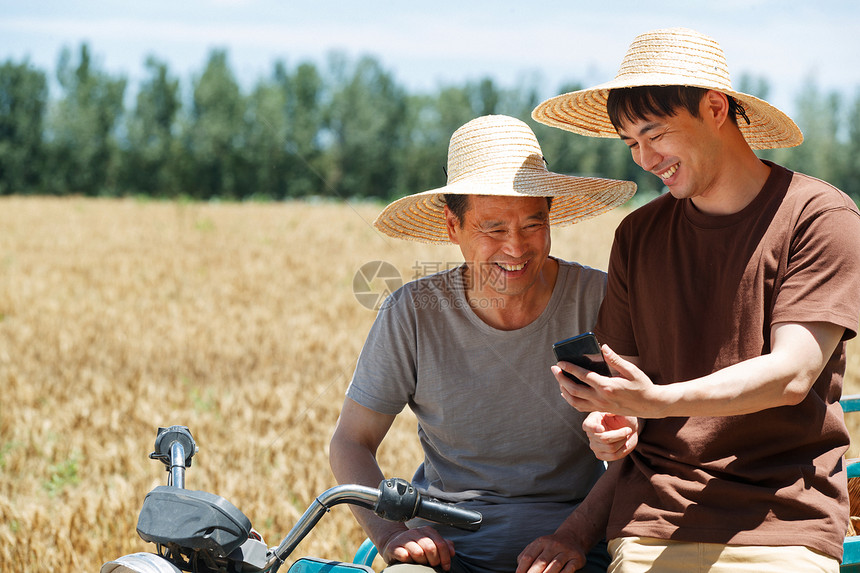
(716, 105)
(452, 224)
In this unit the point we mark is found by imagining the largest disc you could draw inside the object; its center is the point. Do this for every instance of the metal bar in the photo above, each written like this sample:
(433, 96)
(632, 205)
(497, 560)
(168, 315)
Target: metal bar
(177, 464)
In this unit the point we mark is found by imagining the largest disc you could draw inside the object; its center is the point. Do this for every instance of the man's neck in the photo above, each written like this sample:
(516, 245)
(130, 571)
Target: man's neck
(740, 181)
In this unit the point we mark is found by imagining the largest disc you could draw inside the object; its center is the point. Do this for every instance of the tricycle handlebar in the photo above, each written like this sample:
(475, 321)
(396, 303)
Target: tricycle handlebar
(395, 500)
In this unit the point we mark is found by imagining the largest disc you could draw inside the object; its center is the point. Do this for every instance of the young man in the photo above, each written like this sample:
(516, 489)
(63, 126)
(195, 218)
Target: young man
(729, 303)
(468, 350)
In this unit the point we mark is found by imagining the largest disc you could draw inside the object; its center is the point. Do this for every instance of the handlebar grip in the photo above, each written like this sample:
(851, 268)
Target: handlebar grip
(449, 514)
(400, 501)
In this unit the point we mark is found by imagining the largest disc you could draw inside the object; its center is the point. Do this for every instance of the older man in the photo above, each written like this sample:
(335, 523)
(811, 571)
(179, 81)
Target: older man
(468, 351)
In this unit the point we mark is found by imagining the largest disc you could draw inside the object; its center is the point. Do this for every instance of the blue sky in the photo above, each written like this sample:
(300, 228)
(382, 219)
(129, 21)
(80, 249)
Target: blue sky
(426, 44)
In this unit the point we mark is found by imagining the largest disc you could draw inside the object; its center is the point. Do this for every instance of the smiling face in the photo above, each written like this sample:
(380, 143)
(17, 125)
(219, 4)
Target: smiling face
(505, 242)
(686, 152)
(683, 151)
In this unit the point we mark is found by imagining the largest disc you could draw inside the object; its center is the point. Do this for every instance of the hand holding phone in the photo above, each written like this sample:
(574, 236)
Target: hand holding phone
(584, 351)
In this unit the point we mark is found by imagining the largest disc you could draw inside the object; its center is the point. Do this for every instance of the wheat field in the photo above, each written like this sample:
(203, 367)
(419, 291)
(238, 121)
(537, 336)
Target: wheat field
(236, 320)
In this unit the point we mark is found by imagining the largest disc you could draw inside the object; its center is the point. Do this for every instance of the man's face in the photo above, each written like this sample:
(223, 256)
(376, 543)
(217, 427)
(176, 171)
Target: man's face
(505, 242)
(681, 150)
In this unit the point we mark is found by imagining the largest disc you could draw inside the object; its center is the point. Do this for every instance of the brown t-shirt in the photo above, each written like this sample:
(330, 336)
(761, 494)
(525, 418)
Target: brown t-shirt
(691, 294)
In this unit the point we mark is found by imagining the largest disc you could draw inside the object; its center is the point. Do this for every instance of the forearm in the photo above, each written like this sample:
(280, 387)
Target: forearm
(351, 463)
(750, 386)
(587, 524)
(780, 378)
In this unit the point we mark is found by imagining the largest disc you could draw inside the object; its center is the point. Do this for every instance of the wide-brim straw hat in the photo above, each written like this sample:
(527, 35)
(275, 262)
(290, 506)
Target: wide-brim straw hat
(500, 155)
(671, 57)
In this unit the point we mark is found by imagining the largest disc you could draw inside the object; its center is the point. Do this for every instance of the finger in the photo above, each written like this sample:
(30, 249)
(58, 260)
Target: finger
(577, 395)
(438, 549)
(609, 457)
(416, 551)
(612, 436)
(533, 564)
(601, 441)
(617, 364)
(436, 552)
(594, 423)
(529, 560)
(607, 454)
(525, 560)
(630, 444)
(583, 375)
(565, 384)
(431, 551)
(555, 563)
(611, 452)
(394, 549)
(606, 447)
(561, 371)
(612, 422)
(399, 553)
(574, 388)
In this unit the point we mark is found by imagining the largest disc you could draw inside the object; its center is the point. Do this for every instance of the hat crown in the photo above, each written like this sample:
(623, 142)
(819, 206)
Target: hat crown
(684, 57)
(493, 149)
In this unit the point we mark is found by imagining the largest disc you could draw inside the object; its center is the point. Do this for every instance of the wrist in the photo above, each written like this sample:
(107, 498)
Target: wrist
(579, 532)
(382, 539)
(662, 398)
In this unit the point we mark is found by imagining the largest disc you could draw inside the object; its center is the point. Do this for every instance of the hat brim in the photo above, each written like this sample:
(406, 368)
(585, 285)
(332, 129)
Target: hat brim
(584, 112)
(421, 217)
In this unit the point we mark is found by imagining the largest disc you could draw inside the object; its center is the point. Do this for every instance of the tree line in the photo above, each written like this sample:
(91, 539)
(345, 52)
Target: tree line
(345, 129)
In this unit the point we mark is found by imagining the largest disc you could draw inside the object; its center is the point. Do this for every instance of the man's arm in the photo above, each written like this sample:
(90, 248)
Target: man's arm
(782, 377)
(565, 550)
(352, 455)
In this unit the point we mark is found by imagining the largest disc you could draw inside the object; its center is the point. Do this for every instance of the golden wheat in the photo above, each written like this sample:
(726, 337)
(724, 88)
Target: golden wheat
(237, 320)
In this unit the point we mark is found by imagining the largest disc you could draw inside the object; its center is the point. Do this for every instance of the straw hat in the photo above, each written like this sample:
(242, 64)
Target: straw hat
(669, 57)
(499, 155)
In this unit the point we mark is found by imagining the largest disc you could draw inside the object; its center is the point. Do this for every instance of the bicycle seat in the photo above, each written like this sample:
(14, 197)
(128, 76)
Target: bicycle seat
(192, 520)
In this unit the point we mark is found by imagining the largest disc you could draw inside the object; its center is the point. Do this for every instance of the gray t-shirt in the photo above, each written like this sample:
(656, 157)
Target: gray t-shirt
(496, 434)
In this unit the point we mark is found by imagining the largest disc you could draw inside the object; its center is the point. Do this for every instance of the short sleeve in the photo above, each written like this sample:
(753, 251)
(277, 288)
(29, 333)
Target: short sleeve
(822, 278)
(384, 378)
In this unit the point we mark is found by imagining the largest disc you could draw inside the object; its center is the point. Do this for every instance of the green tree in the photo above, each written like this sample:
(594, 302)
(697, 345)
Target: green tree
(23, 101)
(851, 178)
(429, 122)
(485, 97)
(213, 136)
(366, 127)
(265, 137)
(82, 132)
(431, 119)
(305, 94)
(283, 122)
(818, 117)
(151, 155)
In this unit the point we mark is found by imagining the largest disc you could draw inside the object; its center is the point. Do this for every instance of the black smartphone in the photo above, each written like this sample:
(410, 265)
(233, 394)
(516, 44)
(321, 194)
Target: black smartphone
(582, 350)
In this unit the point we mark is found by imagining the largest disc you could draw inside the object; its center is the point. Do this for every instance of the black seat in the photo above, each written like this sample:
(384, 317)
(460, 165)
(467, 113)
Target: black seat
(192, 520)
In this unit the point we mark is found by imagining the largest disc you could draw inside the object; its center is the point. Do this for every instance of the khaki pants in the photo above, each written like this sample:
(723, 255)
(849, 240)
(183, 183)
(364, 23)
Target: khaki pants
(646, 554)
(598, 559)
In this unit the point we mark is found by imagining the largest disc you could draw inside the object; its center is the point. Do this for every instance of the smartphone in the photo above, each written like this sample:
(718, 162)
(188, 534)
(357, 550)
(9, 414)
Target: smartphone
(582, 350)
